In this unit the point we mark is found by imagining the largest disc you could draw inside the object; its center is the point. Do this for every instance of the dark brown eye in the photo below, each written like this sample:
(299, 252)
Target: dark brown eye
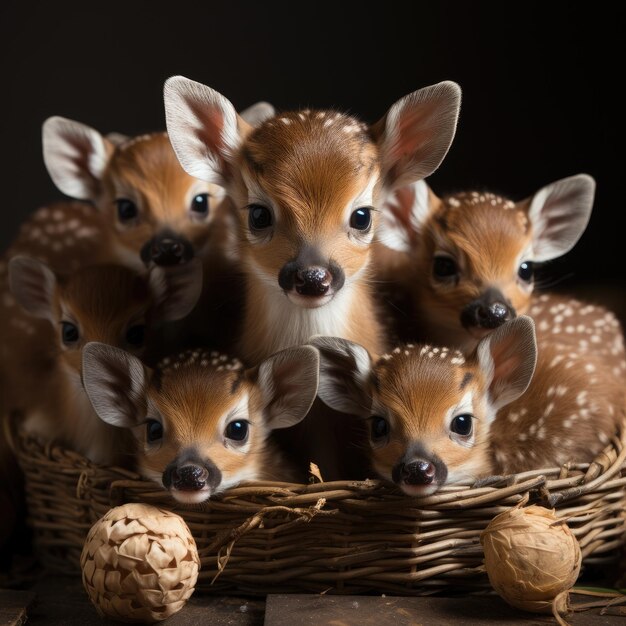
(379, 428)
(361, 219)
(200, 204)
(526, 271)
(69, 333)
(237, 430)
(462, 425)
(126, 210)
(259, 217)
(444, 267)
(154, 431)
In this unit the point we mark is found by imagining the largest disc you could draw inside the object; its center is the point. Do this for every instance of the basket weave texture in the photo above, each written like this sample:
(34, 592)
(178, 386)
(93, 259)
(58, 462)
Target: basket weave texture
(341, 537)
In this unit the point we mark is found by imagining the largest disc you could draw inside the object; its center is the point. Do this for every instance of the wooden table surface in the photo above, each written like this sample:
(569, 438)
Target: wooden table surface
(61, 601)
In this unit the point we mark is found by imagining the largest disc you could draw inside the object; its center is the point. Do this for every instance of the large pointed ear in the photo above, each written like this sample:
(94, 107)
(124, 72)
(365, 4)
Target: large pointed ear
(415, 134)
(287, 382)
(116, 383)
(508, 357)
(258, 113)
(175, 289)
(559, 214)
(75, 156)
(345, 373)
(33, 283)
(404, 215)
(204, 129)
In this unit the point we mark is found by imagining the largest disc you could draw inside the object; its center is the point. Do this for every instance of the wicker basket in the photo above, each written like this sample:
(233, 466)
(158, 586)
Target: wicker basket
(342, 537)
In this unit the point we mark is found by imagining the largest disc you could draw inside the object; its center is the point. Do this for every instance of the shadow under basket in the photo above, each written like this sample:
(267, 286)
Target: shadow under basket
(339, 537)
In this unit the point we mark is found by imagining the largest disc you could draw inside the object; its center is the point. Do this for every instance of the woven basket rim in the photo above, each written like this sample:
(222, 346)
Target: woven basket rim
(552, 485)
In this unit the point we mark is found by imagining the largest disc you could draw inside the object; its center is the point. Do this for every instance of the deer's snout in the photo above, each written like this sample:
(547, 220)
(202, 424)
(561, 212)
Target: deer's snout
(167, 249)
(190, 479)
(419, 473)
(311, 279)
(489, 311)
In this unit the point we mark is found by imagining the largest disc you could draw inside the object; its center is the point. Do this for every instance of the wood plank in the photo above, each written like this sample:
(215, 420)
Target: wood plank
(14, 606)
(315, 610)
(62, 600)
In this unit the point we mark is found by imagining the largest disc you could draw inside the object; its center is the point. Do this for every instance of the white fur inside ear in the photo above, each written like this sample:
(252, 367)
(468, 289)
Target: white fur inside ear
(288, 381)
(115, 382)
(203, 128)
(559, 214)
(419, 129)
(404, 214)
(507, 358)
(75, 156)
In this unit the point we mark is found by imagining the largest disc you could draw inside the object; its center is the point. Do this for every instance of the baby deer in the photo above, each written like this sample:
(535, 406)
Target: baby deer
(202, 423)
(308, 187)
(436, 417)
(42, 345)
(469, 257)
(159, 213)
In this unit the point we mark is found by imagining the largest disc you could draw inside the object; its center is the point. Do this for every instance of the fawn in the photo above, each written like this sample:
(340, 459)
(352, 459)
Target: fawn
(41, 345)
(153, 212)
(201, 421)
(468, 258)
(307, 187)
(158, 212)
(468, 265)
(438, 417)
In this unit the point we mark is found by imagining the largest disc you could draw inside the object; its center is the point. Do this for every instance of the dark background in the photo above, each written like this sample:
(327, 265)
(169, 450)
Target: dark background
(539, 82)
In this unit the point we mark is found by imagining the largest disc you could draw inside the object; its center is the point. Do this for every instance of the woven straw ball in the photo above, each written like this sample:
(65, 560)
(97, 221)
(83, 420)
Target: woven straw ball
(139, 563)
(531, 558)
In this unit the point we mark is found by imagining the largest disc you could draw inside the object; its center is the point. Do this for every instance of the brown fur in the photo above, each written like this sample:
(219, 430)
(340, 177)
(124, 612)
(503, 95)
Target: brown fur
(568, 414)
(192, 399)
(41, 377)
(310, 169)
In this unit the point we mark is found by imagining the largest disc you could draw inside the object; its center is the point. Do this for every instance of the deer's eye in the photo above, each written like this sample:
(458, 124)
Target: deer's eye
(462, 425)
(444, 267)
(154, 431)
(526, 271)
(69, 333)
(126, 210)
(237, 430)
(200, 204)
(259, 217)
(361, 219)
(379, 428)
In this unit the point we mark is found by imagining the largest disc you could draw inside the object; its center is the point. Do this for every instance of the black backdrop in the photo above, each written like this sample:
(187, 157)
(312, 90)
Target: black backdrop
(539, 81)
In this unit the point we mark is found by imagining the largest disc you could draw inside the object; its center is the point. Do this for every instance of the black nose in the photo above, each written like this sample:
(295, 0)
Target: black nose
(417, 473)
(311, 279)
(167, 249)
(489, 311)
(189, 477)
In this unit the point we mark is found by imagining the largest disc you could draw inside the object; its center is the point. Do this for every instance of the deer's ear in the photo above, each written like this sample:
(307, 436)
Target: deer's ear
(204, 129)
(116, 384)
(508, 357)
(559, 214)
(33, 283)
(404, 215)
(345, 374)
(287, 382)
(415, 134)
(75, 156)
